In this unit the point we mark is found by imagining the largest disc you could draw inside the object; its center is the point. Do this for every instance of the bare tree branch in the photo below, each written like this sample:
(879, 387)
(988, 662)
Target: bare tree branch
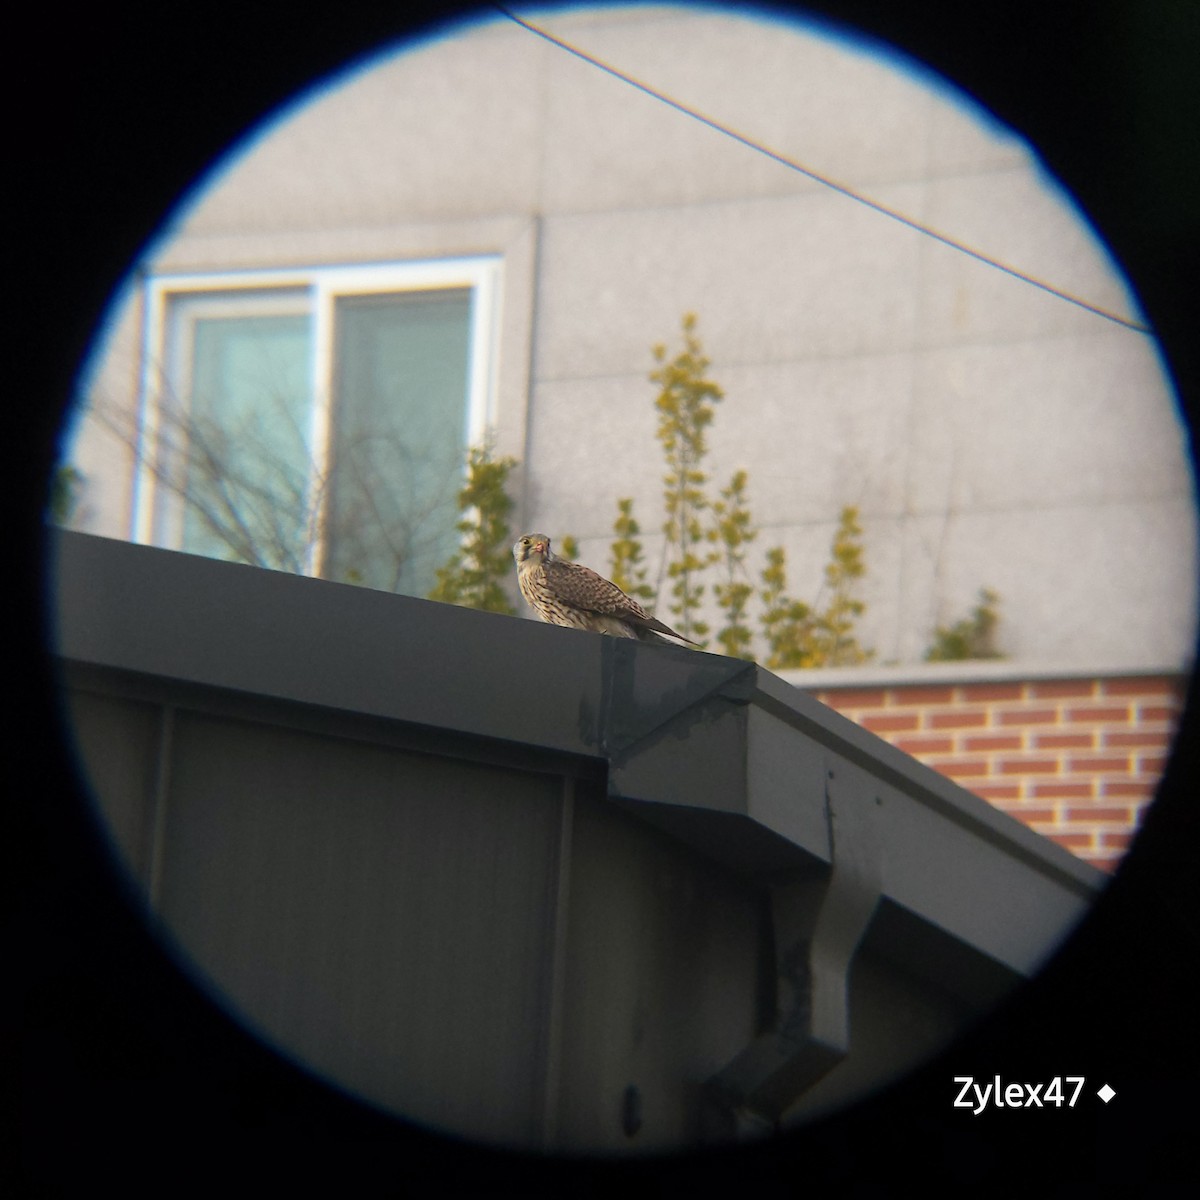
(254, 486)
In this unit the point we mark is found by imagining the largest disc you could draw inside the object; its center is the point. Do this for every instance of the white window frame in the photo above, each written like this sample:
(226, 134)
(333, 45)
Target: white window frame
(323, 286)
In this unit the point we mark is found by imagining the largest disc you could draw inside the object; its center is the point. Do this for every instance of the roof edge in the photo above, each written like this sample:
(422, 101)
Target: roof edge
(970, 671)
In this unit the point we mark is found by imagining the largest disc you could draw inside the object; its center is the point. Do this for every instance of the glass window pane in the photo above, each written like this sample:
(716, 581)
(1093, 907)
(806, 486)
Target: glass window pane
(248, 459)
(401, 373)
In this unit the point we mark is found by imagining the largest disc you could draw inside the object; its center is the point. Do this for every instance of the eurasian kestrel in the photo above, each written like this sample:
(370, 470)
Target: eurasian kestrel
(566, 593)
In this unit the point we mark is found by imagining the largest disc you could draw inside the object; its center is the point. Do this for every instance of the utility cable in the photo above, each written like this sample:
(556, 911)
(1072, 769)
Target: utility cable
(817, 177)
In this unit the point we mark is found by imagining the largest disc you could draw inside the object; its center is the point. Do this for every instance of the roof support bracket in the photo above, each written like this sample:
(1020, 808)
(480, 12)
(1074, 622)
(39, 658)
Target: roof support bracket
(818, 926)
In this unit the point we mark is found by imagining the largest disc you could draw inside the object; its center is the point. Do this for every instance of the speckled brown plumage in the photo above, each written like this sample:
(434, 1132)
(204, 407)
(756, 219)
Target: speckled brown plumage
(567, 593)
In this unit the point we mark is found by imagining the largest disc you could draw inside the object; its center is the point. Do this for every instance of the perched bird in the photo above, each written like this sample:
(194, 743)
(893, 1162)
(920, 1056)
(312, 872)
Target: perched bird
(566, 593)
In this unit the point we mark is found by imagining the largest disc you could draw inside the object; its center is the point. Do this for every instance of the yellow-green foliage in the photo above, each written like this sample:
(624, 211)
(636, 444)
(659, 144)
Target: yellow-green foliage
(785, 621)
(628, 569)
(702, 534)
(972, 637)
(474, 575)
(834, 641)
(733, 531)
(685, 410)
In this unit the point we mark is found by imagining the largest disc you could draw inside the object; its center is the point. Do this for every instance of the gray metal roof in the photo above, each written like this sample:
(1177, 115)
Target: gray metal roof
(719, 752)
(322, 728)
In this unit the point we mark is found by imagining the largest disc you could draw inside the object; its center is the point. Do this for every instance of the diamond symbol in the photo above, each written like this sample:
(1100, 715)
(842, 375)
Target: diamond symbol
(1106, 1093)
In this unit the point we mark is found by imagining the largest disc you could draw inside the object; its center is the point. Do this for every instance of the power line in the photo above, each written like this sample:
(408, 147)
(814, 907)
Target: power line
(817, 177)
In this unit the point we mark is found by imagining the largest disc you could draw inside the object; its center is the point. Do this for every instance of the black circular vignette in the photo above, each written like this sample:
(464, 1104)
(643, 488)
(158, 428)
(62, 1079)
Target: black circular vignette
(125, 1072)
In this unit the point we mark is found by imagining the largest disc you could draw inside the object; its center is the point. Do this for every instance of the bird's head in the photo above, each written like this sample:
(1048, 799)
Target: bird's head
(532, 546)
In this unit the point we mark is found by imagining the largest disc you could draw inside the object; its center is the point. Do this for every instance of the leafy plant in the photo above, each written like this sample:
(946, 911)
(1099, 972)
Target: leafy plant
(786, 622)
(685, 410)
(797, 634)
(733, 531)
(833, 642)
(626, 559)
(474, 576)
(703, 535)
(974, 636)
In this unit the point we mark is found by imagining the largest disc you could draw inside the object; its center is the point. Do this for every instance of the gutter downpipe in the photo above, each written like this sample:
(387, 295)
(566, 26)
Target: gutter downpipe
(818, 927)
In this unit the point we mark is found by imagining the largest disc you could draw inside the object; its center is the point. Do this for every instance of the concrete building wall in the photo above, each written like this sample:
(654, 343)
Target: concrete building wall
(991, 434)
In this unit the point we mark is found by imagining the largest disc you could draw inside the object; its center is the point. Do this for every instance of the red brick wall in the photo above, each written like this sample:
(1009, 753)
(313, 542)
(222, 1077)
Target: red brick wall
(1075, 759)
